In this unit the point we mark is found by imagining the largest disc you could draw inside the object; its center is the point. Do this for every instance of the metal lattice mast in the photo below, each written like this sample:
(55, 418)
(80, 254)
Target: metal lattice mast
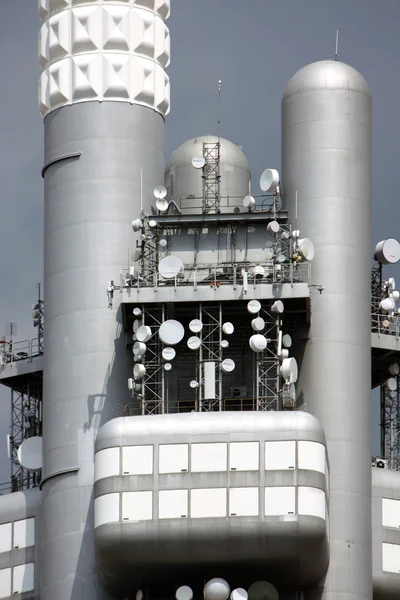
(152, 394)
(210, 352)
(211, 177)
(266, 364)
(390, 422)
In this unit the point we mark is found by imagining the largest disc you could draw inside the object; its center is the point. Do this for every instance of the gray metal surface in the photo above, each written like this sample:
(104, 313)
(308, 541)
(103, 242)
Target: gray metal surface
(185, 183)
(326, 157)
(90, 202)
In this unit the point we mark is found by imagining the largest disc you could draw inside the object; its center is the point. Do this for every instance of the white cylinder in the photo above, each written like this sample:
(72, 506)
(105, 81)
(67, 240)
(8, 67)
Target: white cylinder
(209, 381)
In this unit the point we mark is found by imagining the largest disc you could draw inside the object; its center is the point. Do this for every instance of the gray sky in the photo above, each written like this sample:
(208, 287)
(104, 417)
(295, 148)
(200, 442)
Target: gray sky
(254, 46)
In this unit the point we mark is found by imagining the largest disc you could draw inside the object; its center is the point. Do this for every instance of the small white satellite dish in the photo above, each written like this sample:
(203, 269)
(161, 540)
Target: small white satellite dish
(392, 283)
(198, 162)
(170, 267)
(195, 325)
(184, 593)
(287, 340)
(152, 223)
(249, 203)
(269, 180)
(391, 384)
(228, 328)
(258, 271)
(137, 311)
(136, 325)
(385, 323)
(289, 370)
(394, 369)
(387, 304)
(194, 384)
(143, 334)
(168, 353)
(139, 348)
(194, 343)
(258, 342)
(253, 307)
(278, 307)
(284, 353)
(160, 192)
(387, 252)
(167, 366)
(163, 242)
(258, 324)
(224, 344)
(139, 595)
(306, 248)
(30, 454)
(273, 227)
(162, 205)
(239, 594)
(137, 225)
(171, 332)
(216, 589)
(395, 295)
(138, 372)
(228, 365)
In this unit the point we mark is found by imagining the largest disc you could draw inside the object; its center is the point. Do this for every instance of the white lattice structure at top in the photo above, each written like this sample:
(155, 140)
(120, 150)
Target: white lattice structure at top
(104, 50)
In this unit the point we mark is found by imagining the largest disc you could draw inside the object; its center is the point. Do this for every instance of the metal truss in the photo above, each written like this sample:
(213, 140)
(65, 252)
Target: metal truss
(211, 177)
(390, 423)
(152, 394)
(267, 366)
(376, 291)
(210, 351)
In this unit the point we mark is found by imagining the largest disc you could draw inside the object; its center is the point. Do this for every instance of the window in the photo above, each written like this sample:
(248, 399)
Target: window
(137, 506)
(391, 558)
(207, 503)
(5, 537)
(137, 460)
(207, 458)
(5, 583)
(173, 458)
(244, 456)
(173, 504)
(23, 578)
(390, 513)
(106, 463)
(312, 502)
(24, 533)
(280, 455)
(106, 509)
(280, 501)
(311, 456)
(243, 502)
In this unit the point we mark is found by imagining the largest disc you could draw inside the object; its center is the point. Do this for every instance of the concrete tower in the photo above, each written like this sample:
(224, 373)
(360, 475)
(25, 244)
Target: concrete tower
(104, 94)
(326, 157)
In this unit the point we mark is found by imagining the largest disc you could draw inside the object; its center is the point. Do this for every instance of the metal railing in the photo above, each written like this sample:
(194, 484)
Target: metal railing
(11, 352)
(384, 324)
(186, 406)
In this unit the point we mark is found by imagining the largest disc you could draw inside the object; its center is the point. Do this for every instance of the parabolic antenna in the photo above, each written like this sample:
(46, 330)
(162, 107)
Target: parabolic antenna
(139, 348)
(287, 340)
(136, 325)
(139, 372)
(391, 384)
(249, 202)
(278, 307)
(228, 365)
(167, 366)
(170, 267)
(387, 304)
(258, 324)
(160, 192)
(198, 162)
(137, 311)
(263, 590)
(391, 283)
(163, 242)
(194, 342)
(143, 334)
(395, 295)
(239, 594)
(254, 306)
(306, 248)
(273, 227)
(152, 223)
(269, 180)
(258, 272)
(289, 370)
(138, 387)
(137, 225)
(216, 589)
(30, 452)
(194, 384)
(284, 353)
(258, 343)
(139, 595)
(168, 353)
(387, 252)
(171, 332)
(195, 325)
(224, 344)
(184, 593)
(228, 328)
(394, 369)
(162, 205)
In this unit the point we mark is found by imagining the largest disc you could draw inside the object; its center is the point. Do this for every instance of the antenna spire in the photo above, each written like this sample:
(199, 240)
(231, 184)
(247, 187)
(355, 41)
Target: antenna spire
(337, 45)
(219, 106)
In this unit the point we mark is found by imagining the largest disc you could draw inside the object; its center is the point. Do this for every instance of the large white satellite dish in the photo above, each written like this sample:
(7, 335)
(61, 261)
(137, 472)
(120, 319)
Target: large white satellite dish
(249, 203)
(228, 365)
(138, 372)
(228, 328)
(160, 192)
(168, 353)
(258, 324)
(139, 348)
(306, 248)
(198, 162)
(278, 307)
(143, 334)
(137, 225)
(387, 304)
(194, 343)
(216, 589)
(258, 342)
(162, 205)
(387, 252)
(195, 325)
(269, 180)
(273, 227)
(170, 267)
(289, 370)
(254, 306)
(171, 332)
(30, 454)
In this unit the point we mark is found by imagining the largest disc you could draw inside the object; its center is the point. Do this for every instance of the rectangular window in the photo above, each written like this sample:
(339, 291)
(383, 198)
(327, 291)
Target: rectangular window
(311, 456)
(5, 537)
(106, 509)
(173, 458)
(23, 578)
(5, 583)
(137, 506)
(208, 458)
(106, 463)
(243, 502)
(280, 456)
(312, 502)
(137, 460)
(280, 501)
(207, 503)
(173, 504)
(244, 456)
(24, 533)
(390, 513)
(391, 558)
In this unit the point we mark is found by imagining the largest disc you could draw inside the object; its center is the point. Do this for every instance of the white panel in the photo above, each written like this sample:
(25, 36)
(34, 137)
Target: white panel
(244, 502)
(391, 558)
(280, 501)
(23, 578)
(280, 455)
(207, 458)
(24, 533)
(311, 502)
(209, 380)
(208, 503)
(173, 458)
(137, 460)
(311, 456)
(244, 456)
(5, 537)
(173, 504)
(390, 513)
(5, 583)
(106, 509)
(137, 506)
(106, 463)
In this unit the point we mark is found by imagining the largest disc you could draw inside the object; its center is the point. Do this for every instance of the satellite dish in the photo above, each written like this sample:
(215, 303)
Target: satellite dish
(168, 353)
(160, 192)
(287, 340)
(171, 332)
(195, 325)
(136, 325)
(138, 372)
(284, 353)
(269, 180)
(138, 387)
(306, 249)
(224, 344)
(395, 295)
(258, 272)
(289, 370)
(198, 162)
(295, 234)
(143, 334)
(387, 304)
(194, 384)
(194, 343)
(30, 454)
(387, 252)
(239, 594)
(216, 589)
(273, 227)
(152, 223)
(139, 595)
(184, 593)
(249, 203)
(170, 267)
(262, 590)
(258, 342)
(139, 348)
(163, 242)
(137, 225)
(258, 324)
(228, 328)
(391, 384)
(167, 366)
(254, 306)
(137, 311)
(228, 365)
(277, 307)
(162, 205)
(394, 369)
(391, 283)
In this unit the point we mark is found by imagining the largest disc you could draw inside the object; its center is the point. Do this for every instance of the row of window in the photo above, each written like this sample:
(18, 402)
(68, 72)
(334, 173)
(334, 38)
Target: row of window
(17, 580)
(209, 503)
(209, 458)
(20, 534)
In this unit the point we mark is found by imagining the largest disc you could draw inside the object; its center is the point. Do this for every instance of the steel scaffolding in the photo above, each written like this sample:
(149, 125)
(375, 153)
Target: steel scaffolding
(211, 177)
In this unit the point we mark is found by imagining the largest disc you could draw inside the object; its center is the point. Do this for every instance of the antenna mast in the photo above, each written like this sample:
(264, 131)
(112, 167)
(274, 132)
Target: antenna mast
(337, 45)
